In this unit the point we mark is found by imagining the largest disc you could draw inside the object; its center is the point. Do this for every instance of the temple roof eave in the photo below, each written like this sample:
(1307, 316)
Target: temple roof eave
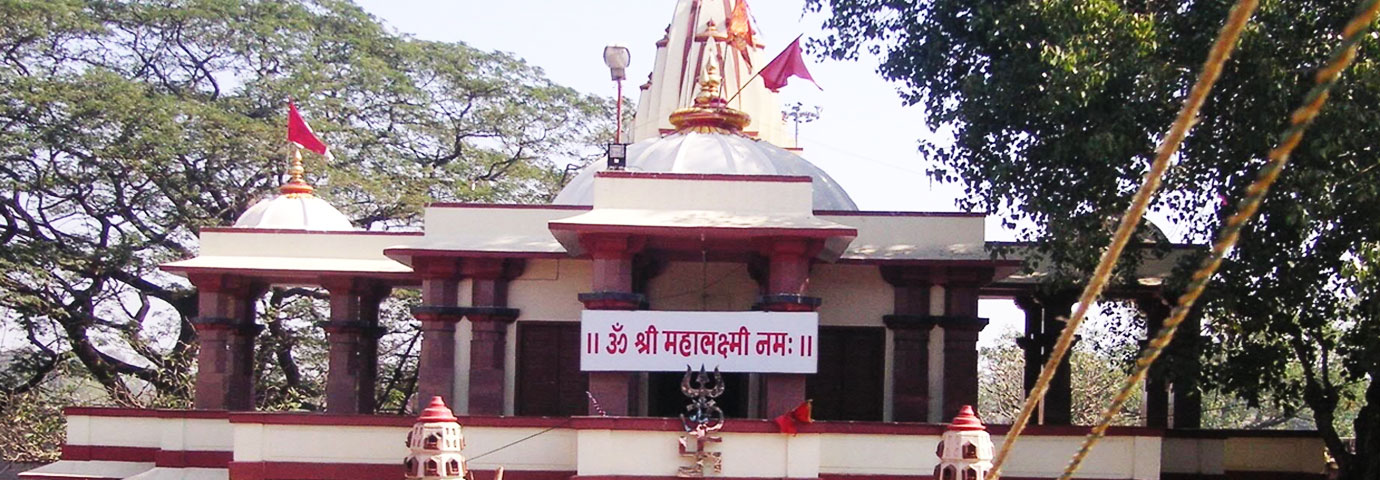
(704, 224)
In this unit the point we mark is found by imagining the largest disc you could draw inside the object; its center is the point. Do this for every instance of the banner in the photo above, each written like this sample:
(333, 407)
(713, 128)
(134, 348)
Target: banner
(648, 341)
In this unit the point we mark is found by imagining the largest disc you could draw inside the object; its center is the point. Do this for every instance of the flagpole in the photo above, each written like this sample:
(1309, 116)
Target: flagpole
(744, 85)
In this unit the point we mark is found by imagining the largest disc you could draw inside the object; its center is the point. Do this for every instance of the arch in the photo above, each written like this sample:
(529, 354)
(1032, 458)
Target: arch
(432, 442)
(949, 473)
(410, 465)
(433, 469)
(971, 473)
(452, 467)
(969, 451)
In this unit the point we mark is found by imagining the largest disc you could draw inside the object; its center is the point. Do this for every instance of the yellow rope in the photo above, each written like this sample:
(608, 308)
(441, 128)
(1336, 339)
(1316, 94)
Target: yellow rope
(1212, 69)
(1313, 101)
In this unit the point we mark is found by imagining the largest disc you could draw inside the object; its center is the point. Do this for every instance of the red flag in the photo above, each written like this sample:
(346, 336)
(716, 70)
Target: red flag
(300, 133)
(786, 65)
(740, 31)
(789, 421)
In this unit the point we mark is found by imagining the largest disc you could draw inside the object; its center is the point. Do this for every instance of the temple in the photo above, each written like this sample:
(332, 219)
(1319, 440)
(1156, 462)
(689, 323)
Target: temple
(561, 334)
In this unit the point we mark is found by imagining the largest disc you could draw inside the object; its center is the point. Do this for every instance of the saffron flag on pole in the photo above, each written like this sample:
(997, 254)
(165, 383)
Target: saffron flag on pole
(740, 32)
(301, 134)
(786, 65)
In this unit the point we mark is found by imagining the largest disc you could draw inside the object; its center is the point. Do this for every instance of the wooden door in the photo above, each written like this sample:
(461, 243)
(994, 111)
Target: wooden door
(851, 371)
(549, 380)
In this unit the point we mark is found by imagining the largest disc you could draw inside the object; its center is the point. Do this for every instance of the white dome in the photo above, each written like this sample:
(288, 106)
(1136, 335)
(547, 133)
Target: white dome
(294, 211)
(690, 151)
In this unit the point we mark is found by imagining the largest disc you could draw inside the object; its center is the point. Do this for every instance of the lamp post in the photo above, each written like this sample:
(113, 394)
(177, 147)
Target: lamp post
(617, 58)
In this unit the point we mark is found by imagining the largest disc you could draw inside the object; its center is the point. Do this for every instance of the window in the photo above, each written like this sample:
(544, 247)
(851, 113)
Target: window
(453, 467)
(410, 465)
(970, 474)
(432, 469)
(431, 442)
(969, 451)
(949, 473)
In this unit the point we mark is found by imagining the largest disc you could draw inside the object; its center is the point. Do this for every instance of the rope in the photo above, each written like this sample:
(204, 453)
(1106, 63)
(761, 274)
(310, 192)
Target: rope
(1338, 60)
(520, 440)
(1212, 69)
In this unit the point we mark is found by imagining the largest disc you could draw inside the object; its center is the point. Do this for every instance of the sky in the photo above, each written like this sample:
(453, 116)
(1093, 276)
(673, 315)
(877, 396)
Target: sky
(865, 138)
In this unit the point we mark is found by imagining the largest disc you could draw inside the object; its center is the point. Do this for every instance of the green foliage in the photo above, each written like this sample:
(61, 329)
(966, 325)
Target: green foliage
(1056, 107)
(126, 125)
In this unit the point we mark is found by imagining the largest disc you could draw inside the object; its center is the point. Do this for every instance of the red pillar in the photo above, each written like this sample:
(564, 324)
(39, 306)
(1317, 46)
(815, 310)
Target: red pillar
(910, 333)
(612, 257)
(489, 318)
(226, 332)
(438, 314)
(788, 276)
(961, 326)
(351, 333)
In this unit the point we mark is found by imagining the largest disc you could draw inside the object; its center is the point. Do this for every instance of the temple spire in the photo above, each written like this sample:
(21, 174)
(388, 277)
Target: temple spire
(698, 31)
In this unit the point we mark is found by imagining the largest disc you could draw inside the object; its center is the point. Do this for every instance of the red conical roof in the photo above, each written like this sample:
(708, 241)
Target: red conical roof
(437, 412)
(966, 420)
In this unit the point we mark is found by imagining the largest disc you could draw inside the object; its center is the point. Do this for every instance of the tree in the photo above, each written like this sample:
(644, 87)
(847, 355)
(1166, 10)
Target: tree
(125, 125)
(1055, 108)
(1095, 377)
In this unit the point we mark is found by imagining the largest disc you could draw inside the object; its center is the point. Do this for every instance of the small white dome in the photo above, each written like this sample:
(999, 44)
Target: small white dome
(690, 151)
(294, 211)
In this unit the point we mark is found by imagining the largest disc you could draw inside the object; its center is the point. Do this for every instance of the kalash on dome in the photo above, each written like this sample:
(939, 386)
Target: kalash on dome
(835, 342)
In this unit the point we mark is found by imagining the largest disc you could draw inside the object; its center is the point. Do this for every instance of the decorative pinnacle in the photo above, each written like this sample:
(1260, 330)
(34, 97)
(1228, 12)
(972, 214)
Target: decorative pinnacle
(710, 113)
(296, 185)
(709, 86)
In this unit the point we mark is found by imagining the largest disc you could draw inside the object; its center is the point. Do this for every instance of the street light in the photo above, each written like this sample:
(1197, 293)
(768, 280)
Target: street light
(617, 58)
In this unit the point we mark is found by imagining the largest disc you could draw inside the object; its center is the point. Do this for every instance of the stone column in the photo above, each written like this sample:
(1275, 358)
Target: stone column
(1187, 368)
(353, 338)
(910, 368)
(1156, 411)
(961, 326)
(1032, 342)
(788, 275)
(369, 346)
(1058, 406)
(438, 314)
(489, 318)
(961, 361)
(226, 332)
(1043, 325)
(612, 257)
(910, 327)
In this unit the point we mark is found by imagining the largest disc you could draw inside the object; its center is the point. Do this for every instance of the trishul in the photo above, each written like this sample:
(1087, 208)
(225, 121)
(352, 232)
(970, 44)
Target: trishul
(703, 412)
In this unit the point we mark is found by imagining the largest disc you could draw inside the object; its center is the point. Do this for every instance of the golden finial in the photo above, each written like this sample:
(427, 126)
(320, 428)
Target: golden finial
(710, 113)
(709, 84)
(296, 185)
